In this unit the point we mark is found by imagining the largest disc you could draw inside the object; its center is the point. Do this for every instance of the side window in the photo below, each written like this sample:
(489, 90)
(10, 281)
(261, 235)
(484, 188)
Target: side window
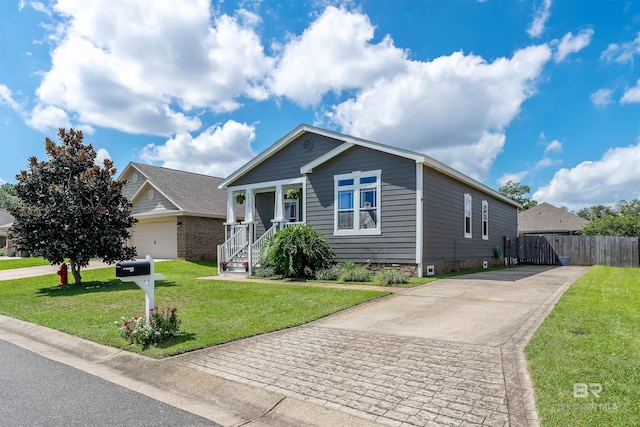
(467, 216)
(485, 220)
(357, 201)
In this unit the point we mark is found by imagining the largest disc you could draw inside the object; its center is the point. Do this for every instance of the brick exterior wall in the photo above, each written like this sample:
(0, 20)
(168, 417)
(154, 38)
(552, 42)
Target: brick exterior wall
(199, 237)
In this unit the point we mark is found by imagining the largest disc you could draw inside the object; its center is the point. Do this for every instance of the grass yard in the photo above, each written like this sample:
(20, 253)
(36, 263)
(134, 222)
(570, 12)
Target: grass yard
(212, 312)
(590, 339)
(9, 264)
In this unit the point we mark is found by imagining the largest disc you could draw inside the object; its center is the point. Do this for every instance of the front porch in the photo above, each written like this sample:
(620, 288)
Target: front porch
(268, 207)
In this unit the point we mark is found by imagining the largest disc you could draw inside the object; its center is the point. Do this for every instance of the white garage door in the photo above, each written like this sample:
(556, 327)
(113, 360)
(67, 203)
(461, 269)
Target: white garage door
(158, 239)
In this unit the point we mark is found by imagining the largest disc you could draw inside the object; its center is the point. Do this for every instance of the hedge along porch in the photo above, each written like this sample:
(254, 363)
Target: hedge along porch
(374, 203)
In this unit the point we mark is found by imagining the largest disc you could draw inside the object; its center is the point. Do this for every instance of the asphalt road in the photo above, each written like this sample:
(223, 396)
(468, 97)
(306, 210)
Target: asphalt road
(36, 391)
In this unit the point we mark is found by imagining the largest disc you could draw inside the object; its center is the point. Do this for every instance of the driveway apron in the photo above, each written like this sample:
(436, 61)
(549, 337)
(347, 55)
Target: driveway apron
(445, 353)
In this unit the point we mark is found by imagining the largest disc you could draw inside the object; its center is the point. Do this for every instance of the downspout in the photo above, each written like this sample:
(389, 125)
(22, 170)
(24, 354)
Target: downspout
(419, 216)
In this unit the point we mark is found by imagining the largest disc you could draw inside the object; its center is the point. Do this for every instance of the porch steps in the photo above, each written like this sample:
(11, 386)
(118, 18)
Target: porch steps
(236, 265)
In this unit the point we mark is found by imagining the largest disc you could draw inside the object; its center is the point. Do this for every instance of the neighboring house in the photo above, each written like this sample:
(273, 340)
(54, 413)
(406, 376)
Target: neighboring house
(374, 203)
(547, 219)
(180, 214)
(6, 221)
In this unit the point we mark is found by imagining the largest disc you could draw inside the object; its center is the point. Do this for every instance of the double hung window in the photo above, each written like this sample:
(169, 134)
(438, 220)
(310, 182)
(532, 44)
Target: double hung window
(485, 220)
(357, 202)
(467, 216)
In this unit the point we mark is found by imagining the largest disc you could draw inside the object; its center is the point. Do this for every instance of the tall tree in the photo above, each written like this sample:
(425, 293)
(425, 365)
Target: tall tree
(595, 212)
(518, 192)
(8, 196)
(72, 208)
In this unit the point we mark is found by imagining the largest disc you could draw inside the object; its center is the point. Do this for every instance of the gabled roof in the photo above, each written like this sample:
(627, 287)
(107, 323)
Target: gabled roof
(191, 193)
(546, 218)
(351, 141)
(5, 217)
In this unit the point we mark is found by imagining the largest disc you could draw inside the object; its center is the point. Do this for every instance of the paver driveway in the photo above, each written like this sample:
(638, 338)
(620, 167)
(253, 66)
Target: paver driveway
(445, 353)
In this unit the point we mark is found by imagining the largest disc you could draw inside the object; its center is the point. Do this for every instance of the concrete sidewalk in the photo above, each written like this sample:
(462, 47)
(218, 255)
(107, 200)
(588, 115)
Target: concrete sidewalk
(409, 359)
(43, 270)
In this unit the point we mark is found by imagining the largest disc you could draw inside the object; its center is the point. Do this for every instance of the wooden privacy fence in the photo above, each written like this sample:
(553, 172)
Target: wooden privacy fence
(582, 250)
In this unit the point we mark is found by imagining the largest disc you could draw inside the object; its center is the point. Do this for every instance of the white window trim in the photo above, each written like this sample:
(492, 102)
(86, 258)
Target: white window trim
(468, 197)
(485, 208)
(356, 203)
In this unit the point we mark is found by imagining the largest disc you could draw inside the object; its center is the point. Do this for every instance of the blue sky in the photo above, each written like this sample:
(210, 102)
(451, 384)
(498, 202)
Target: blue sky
(545, 92)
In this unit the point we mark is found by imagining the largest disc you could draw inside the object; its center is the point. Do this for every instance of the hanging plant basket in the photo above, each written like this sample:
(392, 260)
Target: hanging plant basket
(294, 193)
(239, 198)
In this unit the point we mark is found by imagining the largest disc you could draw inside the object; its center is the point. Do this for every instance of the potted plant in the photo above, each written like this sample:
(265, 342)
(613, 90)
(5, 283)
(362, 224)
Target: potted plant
(246, 265)
(239, 198)
(294, 193)
(224, 265)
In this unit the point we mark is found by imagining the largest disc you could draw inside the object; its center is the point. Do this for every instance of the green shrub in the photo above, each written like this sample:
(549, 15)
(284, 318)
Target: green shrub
(352, 272)
(266, 271)
(298, 251)
(327, 274)
(391, 276)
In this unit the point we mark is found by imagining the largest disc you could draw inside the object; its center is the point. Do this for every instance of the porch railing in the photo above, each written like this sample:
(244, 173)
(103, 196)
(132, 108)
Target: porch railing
(257, 246)
(234, 244)
(290, 224)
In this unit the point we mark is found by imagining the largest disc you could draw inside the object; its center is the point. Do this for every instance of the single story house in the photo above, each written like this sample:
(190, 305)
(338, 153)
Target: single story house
(548, 219)
(6, 221)
(374, 203)
(180, 214)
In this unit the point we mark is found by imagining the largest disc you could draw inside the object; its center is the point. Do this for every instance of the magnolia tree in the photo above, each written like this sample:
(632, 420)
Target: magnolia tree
(71, 208)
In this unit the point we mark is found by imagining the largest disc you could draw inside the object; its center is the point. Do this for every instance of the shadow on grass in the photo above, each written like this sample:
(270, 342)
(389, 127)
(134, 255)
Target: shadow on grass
(204, 263)
(178, 339)
(95, 287)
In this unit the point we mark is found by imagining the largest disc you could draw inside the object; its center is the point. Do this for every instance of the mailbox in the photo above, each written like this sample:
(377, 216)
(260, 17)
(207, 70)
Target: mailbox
(136, 268)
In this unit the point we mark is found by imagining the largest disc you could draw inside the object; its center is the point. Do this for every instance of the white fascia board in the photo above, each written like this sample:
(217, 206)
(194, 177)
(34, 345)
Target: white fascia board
(308, 168)
(169, 213)
(268, 184)
(447, 170)
(126, 170)
(419, 213)
(147, 184)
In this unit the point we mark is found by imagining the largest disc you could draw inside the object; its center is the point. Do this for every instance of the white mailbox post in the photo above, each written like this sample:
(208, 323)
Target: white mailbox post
(142, 273)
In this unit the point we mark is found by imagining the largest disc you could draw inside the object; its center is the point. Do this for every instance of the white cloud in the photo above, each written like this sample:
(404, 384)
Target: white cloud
(217, 151)
(512, 176)
(602, 97)
(334, 53)
(101, 155)
(454, 108)
(38, 6)
(554, 146)
(631, 94)
(622, 52)
(151, 67)
(571, 44)
(546, 162)
(6, 97)
(47, 117)
(20, 5)
(614, 177)
(540, 16)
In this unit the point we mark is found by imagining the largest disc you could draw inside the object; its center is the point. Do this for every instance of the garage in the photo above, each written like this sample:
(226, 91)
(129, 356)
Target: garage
(157, 238)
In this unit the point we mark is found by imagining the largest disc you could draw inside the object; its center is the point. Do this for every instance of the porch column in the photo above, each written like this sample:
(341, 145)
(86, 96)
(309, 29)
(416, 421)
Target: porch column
(278, 211)
(248, 206)
(231, 210)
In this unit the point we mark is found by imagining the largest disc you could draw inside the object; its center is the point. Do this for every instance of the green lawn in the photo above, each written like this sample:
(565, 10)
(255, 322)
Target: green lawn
(590, 339)
(212, 311)
(9, 264)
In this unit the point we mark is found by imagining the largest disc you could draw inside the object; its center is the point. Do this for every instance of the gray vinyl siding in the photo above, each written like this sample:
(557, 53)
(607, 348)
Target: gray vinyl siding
(443, 229)
(130, 187)
(286, 163)
(397, 243)
(143, 204)
(264, 204)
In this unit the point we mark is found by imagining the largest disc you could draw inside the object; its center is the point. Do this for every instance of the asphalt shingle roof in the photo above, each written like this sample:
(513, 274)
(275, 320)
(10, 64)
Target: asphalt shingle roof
(5, 217)
(546, 218)
(192, 192)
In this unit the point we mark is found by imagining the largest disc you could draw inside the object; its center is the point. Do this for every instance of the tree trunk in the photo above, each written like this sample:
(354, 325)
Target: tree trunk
(75, 270)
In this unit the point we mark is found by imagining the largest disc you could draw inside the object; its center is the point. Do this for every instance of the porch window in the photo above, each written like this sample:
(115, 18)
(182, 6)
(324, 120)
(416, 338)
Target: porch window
(291, 210)
(467, 216)
(357, 201)
(485, 220)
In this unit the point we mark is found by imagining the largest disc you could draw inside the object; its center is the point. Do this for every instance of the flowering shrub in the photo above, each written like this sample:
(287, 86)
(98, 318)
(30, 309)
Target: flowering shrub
(246, 265)
(224, 265)
(162, 324)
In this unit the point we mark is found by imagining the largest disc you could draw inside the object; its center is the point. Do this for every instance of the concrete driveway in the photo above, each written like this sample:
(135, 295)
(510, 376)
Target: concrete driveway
(445, 353)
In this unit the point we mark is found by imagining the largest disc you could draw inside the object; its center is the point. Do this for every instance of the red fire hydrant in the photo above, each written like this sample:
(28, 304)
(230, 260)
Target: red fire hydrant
(62, 272)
